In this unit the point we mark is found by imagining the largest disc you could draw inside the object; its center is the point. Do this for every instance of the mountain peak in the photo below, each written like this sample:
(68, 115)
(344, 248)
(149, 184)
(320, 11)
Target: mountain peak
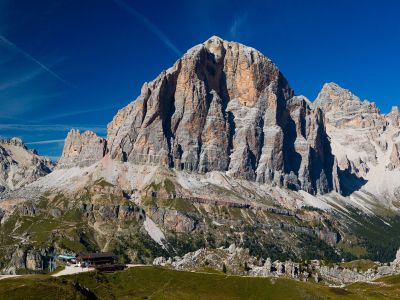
(333, 97)
(333, 89)
(214, 38)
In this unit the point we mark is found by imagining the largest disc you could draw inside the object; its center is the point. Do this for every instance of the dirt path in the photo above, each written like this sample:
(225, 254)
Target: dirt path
(8, 276)
(69, 270)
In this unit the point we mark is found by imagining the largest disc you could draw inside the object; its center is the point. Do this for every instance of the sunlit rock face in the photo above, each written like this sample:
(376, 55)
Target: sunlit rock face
(224, 106)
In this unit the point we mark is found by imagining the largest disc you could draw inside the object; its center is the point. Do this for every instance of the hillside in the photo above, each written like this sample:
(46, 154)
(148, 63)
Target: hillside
(156, 283)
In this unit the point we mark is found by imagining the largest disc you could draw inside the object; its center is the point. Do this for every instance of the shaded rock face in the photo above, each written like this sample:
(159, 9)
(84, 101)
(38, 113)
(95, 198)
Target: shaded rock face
(226, 107)
(394, 157)
(20, 166)
(312, 160)
(82, 149)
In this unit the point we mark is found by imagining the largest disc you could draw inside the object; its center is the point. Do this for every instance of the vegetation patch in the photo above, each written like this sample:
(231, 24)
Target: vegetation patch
(361, 264)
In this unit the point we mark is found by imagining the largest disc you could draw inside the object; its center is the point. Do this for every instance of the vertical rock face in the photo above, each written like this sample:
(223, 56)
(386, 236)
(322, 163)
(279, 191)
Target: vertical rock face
(394, 157)
(82, 149)
(20, 166)
(312, 160)
(394, 117)
(224, 106)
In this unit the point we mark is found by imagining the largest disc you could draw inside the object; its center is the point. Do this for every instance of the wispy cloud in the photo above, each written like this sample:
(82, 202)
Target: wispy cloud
(76, 113)
(2, 117)
(51, 127)
(11, 46)
(45, 142)
(237, 23)
(17, 81)
(150, 25)
(13, 105)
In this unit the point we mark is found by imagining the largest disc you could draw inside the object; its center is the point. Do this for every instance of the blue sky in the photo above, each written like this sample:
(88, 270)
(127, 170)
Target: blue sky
(71, 63)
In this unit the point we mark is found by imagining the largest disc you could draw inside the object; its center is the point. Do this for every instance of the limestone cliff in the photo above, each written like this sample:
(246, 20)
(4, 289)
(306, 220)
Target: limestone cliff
(224, 106)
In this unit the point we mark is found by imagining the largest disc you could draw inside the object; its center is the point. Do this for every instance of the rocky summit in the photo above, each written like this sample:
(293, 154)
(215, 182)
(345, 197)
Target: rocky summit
(216, 151)
(224, 107)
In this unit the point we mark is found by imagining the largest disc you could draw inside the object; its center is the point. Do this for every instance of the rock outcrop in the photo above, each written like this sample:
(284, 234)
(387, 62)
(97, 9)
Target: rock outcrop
(238, 261)
(82, 149)
(20, 166)
(32, 259)
(226, 107)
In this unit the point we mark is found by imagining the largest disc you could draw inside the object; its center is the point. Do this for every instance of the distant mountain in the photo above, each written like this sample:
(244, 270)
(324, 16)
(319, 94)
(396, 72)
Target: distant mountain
(364, 141)
(20, 166)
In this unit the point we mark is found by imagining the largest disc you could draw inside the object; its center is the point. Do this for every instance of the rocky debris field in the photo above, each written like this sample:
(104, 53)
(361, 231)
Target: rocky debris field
(237, 261)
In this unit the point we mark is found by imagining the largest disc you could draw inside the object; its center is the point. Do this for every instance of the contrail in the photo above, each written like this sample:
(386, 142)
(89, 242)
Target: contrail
(10, 45)
(150, 25)
(45, 142)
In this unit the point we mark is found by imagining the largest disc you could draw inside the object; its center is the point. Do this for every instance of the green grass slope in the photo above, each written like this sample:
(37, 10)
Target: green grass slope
(159, 283)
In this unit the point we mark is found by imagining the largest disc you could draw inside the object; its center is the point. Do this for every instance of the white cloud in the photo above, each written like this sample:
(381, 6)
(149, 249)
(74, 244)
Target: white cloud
(12, 105)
